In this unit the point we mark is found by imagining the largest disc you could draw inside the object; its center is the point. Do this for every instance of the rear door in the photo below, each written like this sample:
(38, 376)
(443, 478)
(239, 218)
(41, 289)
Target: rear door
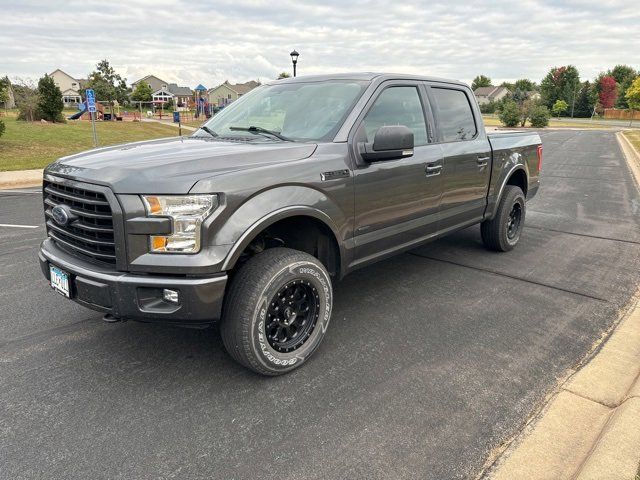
(396, 201)
(467, 156)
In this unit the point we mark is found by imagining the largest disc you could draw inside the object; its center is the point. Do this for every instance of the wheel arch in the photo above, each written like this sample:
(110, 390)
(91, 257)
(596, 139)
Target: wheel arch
(298, 215)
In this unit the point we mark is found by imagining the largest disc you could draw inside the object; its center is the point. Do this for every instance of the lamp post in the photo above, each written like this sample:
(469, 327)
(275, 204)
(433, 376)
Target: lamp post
(294, 60)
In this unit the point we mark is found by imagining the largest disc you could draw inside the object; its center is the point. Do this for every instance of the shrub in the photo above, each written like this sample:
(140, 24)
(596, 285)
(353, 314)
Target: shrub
(2, 127)
(539, 116)
(510, 114)
(50, 102)
(489, 107)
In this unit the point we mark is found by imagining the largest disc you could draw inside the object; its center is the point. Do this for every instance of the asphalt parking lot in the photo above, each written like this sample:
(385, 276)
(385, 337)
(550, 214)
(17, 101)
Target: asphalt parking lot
(432, 359)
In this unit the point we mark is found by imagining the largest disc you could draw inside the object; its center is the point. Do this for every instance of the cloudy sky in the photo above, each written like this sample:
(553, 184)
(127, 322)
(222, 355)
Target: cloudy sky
(191, 42)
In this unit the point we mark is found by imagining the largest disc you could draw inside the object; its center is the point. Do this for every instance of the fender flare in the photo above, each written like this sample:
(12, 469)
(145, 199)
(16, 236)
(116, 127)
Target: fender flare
(494, 206)
(280, 214)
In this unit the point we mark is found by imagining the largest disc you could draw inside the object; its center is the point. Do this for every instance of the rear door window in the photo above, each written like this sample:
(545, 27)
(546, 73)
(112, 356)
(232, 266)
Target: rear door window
(455, 115)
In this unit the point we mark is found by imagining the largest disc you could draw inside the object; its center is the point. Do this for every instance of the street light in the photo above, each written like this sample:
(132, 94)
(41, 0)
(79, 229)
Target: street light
(294, 59)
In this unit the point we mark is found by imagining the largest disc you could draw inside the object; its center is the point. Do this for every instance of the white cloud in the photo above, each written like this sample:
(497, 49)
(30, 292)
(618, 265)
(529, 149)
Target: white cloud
(210, 41)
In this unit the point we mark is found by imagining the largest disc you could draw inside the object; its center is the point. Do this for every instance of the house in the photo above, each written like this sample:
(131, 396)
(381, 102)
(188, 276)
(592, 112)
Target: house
(69, 86)
(154, 83)
(11, 99)
(181, 96)
(226, 93)
(490, 94)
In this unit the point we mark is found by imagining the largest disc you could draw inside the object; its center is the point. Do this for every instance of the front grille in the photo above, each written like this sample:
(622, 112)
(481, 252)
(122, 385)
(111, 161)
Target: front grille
(90, 233)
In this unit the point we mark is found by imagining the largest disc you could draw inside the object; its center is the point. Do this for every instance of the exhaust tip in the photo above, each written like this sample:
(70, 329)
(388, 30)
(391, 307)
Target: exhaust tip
(111, 319)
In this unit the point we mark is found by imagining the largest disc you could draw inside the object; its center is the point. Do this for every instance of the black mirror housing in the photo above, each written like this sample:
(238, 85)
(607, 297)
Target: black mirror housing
(390, 142)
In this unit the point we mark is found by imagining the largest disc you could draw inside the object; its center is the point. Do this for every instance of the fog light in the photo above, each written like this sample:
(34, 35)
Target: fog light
(171, 296)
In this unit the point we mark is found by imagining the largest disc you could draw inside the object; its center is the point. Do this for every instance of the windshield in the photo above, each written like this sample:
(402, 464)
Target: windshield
(294, 111)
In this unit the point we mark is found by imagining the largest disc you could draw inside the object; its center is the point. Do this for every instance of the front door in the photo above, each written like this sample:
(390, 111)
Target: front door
(396, 201)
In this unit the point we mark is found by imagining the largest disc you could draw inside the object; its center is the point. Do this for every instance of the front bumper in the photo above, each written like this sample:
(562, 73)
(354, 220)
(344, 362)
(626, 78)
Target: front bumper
(136, 296)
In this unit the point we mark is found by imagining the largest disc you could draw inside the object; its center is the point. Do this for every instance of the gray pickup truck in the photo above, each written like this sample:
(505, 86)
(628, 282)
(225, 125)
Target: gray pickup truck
(252, 219)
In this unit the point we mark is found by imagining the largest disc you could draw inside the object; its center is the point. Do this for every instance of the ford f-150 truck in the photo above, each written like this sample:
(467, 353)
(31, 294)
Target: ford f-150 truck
(253, 218)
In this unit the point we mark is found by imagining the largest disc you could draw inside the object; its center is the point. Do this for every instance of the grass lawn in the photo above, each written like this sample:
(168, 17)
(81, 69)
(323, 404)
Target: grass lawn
(27, 145)
(634, 137)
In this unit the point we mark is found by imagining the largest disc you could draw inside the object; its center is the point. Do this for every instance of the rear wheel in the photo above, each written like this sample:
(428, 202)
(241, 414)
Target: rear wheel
(276, 311)
(502, 233)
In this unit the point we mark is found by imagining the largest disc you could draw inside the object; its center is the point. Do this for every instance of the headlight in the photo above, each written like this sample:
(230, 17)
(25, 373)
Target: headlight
(187, 213)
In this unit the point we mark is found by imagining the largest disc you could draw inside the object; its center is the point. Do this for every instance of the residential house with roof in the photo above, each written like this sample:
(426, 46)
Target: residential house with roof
(155, 83)
(226, 93)
(181, 96)
(490, 94)
(69, 86)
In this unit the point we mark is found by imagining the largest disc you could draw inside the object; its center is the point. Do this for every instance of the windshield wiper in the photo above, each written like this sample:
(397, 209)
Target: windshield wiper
(208, 130)
(254, 129)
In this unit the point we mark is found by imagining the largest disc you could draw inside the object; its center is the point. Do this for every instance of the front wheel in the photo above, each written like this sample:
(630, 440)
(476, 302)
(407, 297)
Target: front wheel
(503, 231)
(276, 311)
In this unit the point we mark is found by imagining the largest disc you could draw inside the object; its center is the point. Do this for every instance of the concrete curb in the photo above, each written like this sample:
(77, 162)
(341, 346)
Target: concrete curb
(590, 429)
(20, 179)
(632, 155)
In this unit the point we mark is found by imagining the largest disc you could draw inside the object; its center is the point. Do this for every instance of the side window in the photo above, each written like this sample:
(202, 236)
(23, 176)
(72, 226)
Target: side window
(397, 106)
(455, 116)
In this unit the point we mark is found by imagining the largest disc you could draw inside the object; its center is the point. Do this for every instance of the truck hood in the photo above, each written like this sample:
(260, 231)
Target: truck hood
(172, 165)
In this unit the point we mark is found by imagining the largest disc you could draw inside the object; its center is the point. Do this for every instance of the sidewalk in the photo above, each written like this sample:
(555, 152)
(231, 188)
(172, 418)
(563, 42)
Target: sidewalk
(20, 179)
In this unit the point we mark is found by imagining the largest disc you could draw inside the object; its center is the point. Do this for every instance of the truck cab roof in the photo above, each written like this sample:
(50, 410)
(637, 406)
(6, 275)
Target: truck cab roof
(363, 76)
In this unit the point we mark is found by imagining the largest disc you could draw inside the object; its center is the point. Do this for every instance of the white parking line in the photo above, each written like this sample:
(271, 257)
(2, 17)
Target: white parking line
(8, 225)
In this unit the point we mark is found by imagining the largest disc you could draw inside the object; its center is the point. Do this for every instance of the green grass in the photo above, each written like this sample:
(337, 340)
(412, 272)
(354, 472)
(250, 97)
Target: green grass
(27, 145)
(634, 137)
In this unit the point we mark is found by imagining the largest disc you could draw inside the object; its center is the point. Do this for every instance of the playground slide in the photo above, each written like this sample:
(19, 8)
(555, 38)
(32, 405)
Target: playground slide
(76, 116)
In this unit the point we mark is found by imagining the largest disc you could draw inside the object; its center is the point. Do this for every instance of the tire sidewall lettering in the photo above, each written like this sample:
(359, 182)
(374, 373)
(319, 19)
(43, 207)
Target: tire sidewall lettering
(303, 270)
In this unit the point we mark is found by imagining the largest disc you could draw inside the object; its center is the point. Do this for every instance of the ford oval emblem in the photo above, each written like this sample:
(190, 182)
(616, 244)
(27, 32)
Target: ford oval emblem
(60, 214)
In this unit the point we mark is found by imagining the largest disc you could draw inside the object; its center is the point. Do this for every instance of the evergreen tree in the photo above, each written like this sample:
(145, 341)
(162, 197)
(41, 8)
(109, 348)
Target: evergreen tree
(49, 100)
(586, 101)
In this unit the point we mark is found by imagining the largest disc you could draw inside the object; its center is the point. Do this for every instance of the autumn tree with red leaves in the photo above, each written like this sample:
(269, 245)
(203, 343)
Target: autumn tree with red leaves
(608, 91)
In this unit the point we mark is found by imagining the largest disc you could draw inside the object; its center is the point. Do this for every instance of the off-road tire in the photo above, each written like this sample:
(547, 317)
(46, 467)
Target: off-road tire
(252, 293)
(496, 233)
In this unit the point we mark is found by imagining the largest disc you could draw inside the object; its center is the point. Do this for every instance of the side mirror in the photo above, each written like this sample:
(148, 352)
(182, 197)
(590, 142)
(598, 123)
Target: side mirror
(391, 142)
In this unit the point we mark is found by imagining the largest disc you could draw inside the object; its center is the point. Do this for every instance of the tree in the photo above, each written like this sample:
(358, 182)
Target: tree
(142, 93)
(539, 116)
(561, 83)
(525, 85)
(633, 94)
(559, 107)
(480, 81)
(509, 86)
(608, 91)
(26, 97)
(50, 100)
(510, 114)
(283, 75)
(4, 93)
(624, 75)
(586, 100)
(107, 84)
(2, 128)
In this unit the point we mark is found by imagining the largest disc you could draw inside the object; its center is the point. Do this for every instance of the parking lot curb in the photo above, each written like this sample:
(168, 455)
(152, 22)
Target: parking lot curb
(631, 154)
(590, 428)
(20, 178)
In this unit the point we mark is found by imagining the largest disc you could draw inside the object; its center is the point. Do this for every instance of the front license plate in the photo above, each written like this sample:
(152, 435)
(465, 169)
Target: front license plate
(59, 281)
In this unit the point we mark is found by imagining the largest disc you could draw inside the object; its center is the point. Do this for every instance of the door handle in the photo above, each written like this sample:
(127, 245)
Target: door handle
(433, 169)
(483, 161)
